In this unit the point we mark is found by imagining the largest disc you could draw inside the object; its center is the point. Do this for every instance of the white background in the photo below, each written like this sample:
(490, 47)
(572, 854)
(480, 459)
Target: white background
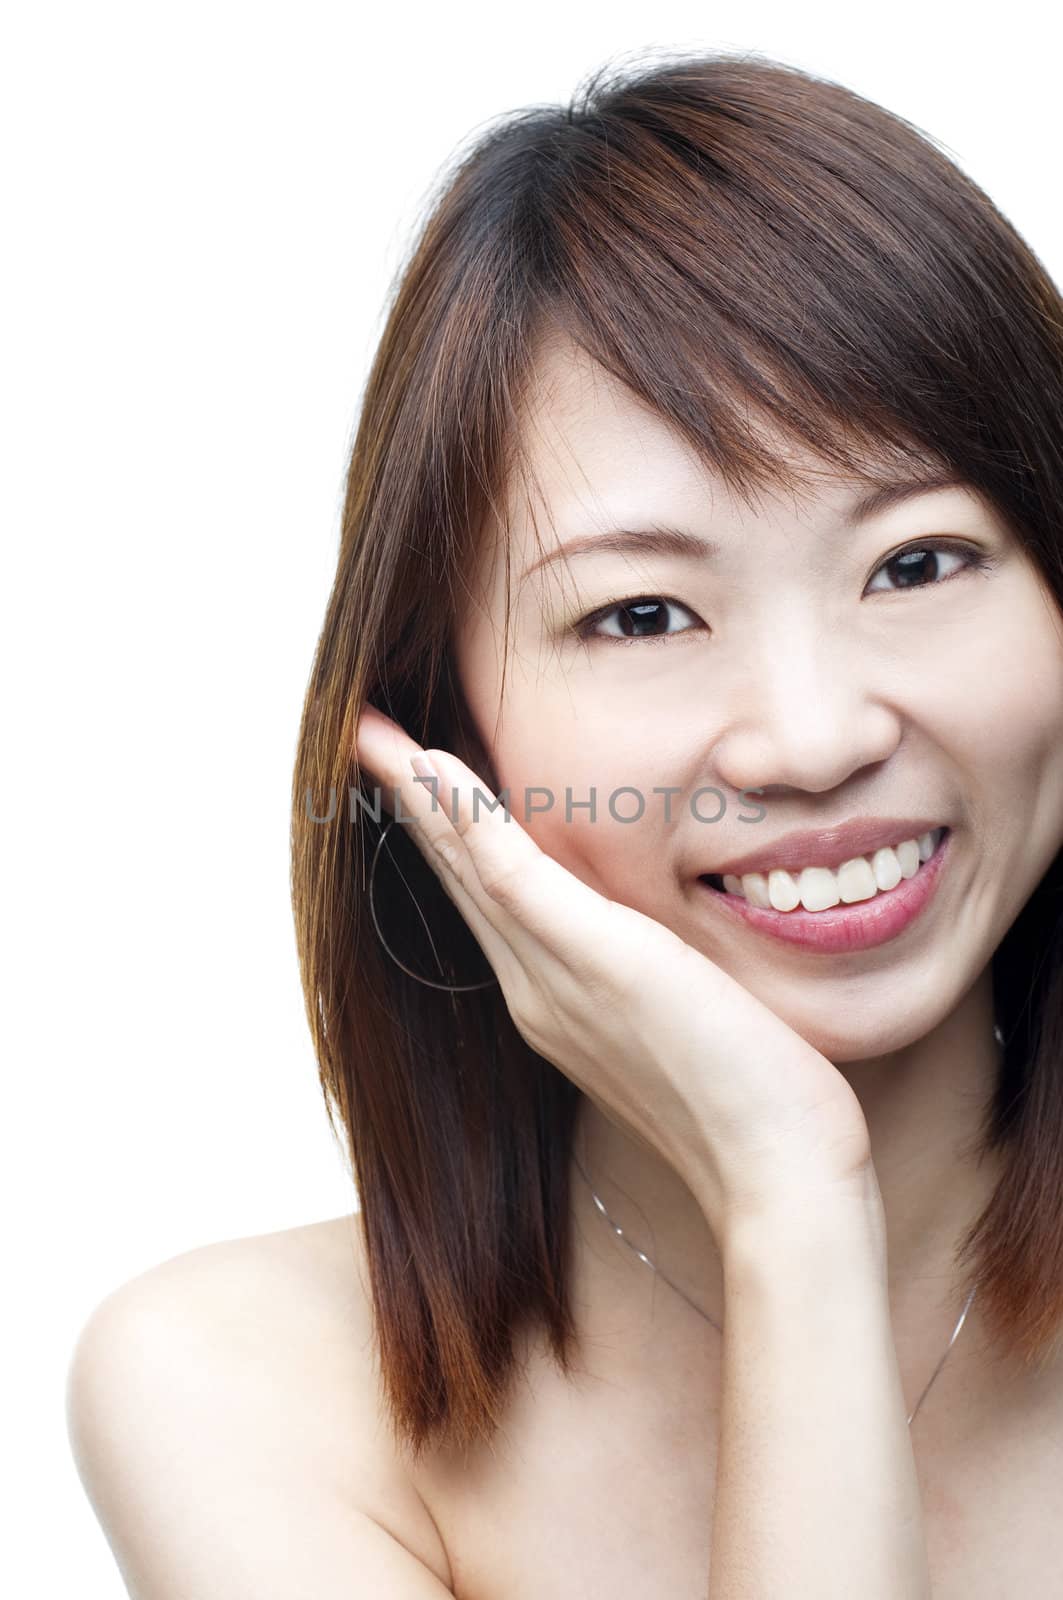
(204, 207)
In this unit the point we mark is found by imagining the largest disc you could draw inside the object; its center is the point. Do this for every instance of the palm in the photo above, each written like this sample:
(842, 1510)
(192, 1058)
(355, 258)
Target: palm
(644, 1024)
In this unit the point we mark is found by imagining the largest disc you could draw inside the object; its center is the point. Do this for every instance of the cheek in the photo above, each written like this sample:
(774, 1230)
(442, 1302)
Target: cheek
(621, 859)
(1000, 715)
(990, 683)
(1012, 704)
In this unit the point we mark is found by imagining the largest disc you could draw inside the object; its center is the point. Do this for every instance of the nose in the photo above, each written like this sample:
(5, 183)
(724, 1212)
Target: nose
(806, 711)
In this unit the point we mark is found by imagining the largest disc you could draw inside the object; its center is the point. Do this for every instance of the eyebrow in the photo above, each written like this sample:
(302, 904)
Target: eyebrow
(658, 539)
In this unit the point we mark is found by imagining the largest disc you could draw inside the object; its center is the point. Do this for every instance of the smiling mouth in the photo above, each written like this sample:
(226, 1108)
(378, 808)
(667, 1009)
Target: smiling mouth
(815, 889)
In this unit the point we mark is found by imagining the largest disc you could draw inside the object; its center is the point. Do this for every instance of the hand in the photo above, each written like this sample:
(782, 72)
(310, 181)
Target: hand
(665, 1043)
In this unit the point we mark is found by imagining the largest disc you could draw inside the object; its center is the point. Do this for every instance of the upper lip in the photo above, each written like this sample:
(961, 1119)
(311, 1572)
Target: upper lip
(828, 847)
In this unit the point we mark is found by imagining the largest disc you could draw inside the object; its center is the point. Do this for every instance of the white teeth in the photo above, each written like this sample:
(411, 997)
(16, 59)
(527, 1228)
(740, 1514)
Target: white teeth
(753, 887)
(856, 880)
(782, 890)
(886, 867)
(819, 888)
(909, 857)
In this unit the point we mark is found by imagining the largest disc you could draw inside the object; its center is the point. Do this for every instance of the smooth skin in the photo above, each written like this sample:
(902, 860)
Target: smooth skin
(225, 1423)
(793, 663)
(222, 1463)
(796, 663)
(639, 1020)
(777, 1155)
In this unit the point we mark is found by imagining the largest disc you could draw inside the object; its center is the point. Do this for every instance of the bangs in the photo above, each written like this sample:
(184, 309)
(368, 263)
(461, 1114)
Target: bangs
(764, 307)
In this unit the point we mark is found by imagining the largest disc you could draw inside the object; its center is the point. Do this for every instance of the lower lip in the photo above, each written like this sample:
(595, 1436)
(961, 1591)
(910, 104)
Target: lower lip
(860, 926)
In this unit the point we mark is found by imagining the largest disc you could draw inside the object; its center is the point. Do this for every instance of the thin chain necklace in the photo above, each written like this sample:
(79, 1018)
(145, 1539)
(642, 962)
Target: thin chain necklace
(642, 1257)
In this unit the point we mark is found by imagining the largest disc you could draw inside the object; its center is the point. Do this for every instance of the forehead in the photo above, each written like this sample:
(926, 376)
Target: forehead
(590, 450)
(580, 424)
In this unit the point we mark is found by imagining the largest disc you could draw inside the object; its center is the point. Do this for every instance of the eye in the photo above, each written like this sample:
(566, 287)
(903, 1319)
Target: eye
(644, 618)
(640, 617)
(919, 567)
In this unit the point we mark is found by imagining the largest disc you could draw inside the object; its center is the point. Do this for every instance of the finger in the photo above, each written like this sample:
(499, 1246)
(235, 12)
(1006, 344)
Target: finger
(444, 812)
(385, 750)
(527, 897)
(502, 867)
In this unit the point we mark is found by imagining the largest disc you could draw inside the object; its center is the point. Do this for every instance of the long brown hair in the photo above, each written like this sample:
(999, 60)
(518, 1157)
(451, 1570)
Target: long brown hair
(732, 238)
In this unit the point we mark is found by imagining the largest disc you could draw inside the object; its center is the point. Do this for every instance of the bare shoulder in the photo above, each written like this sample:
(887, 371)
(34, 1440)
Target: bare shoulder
(225, 1418)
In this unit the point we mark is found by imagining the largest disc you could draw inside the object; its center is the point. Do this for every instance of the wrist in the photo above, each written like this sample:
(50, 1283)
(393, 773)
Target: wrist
(809, 1219)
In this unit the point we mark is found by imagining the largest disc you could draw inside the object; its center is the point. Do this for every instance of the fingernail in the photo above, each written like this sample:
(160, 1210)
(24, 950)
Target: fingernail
(423, 767)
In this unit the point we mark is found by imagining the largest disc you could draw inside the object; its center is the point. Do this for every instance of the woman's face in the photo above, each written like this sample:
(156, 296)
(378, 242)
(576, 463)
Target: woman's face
(794, 656)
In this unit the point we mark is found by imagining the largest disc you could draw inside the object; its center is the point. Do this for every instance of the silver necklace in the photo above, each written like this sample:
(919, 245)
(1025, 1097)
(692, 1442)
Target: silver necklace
(642, 1257)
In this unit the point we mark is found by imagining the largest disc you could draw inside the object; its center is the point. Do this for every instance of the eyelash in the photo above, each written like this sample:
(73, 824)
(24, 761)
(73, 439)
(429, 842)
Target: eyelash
(974, 561)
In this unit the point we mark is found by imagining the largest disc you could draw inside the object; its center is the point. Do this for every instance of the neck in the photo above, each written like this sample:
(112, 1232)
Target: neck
(923, 1106)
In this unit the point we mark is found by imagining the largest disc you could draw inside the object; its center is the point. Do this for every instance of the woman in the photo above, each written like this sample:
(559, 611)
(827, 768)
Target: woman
(702, 516)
